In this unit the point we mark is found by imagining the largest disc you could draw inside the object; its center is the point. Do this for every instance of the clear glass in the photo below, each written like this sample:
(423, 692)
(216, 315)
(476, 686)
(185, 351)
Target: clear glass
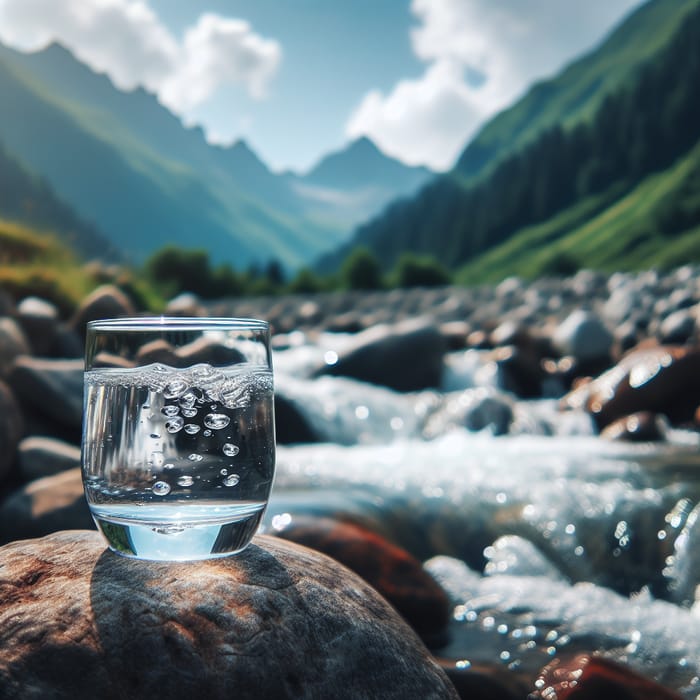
(178, 445)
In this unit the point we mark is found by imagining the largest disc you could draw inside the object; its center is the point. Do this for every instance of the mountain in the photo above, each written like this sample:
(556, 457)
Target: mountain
(572, 149)
(124, 162)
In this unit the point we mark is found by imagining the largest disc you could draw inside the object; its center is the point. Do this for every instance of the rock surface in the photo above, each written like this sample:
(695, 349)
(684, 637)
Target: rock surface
(277, 621)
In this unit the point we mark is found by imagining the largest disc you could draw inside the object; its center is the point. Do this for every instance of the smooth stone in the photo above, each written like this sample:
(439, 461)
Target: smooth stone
(643, 426)
(660, 379)
(13, 343)
(391, 570)
(39, 320)
(11, 429)
(276, 621)
(291, 425)
(584, 336)
(185, 304)
(107, 301)
(677, 327)
(43, 456)
(407, 356)
(44, 506)
(49, 388)
(588, 677)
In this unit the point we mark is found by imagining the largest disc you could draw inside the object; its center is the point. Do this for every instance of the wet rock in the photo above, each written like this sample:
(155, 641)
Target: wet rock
(13, 343)
(519, 371)
(406, 357)
(584, 336)
(391, 570)
(185, 304)
(42, 456)
(11, 429)
(483, 682)
(39, 321)
(277, 621)
(474, 409)
(44, 506)
(291, 426)
(660, 379)
(107, 301)
(49, 389)
(677, 328)
(644, 426)
(587, 677)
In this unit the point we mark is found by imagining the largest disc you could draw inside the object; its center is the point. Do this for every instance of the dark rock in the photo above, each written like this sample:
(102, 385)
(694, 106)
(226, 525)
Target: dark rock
(276, 621)
(677, 328)
(51, 389)
(644, 426)
(107, 301)
(43, 456)
(586, 677)
(483, 682)
(67, 344)
(291, 426)
(39, 321)
(406, 357)
(159, 350)
(660, 379)
(391, 570)
(45, 506)
(11, 429)
(455, 334)
(519, 371)
(13, 343)
(185, 304)
(207, 351)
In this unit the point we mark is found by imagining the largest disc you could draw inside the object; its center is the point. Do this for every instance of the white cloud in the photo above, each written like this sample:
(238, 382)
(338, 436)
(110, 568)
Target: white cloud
(128, 41)
(480, 55)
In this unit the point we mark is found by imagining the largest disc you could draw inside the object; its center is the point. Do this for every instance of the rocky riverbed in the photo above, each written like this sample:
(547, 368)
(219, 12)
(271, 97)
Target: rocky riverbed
(514, 467)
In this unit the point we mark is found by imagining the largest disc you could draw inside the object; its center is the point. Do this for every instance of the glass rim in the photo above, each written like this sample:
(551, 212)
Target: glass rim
(177, 323)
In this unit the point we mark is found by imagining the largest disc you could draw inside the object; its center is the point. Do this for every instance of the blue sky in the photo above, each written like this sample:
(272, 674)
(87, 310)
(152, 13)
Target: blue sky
(300, 78)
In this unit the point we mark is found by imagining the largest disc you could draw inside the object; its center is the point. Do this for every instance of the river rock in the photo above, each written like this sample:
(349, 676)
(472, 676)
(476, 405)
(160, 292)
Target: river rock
(391, 570)
(587, 677)
(407, 356)
(661, 379)
(644, 426)
(185, 304)
(291, 425)
(39, 321)
(482, 681)
(11, 429)
(107, 301)
(45, 506)
(13, 343)
(678, 327)
(42, 456)
(276, 621)
(49, 389)
(584, 336)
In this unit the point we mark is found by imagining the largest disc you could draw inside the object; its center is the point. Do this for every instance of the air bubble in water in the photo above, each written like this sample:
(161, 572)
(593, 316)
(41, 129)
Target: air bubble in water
(189, 412)
(234, 394)
(231, 480)
(188, 400)
(175, 388)
(175, 424)
(185, 480)
(161, 488)
(207, 433)
(223, 472)
(216, 421)
(169, 465)
(191, 429)
(230, 450)
(194, 457)
(170, 411)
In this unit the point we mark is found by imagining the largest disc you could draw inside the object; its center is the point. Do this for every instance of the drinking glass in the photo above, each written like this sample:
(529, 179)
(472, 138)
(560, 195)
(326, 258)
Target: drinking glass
(178, 445)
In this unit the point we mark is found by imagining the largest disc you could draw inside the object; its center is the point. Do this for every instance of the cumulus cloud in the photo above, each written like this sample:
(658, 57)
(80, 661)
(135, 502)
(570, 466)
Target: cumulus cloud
(129, 42)
(480, 55)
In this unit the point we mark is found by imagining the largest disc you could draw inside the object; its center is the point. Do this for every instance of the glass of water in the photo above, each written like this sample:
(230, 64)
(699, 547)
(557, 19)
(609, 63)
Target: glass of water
(178, 446)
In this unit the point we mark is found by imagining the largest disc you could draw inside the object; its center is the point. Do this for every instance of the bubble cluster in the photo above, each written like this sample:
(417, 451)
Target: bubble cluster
(161, 488)
(174, 425)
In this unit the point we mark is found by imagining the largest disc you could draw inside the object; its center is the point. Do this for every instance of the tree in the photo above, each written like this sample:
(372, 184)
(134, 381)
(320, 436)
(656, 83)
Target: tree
(419, 271)
(361, 270)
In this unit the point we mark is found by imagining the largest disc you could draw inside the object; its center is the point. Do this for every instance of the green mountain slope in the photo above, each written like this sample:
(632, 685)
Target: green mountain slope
(641, 128)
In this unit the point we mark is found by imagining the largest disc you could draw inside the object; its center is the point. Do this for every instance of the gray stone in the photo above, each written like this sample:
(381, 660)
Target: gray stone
(45, 506)
(13, 343)
(43, 456)
(584, 336)
(276, 621)
(11, 429)
(39, 321)
(677, 327)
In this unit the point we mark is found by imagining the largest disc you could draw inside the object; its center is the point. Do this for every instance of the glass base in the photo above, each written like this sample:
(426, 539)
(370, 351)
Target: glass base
(176, 540)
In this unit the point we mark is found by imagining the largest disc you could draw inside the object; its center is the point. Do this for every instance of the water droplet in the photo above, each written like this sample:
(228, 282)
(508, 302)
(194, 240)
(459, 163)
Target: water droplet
(175, 424)
(170, 411)
(231, 480)
(161, 488)
(191, 429)
(189, 412)
(185, 480)
(230, 450)
(195, 457)
(216, 421)
(207, 433)
(175, 388)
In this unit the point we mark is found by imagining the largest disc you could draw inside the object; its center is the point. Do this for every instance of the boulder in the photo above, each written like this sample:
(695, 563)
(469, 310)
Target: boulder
(39, 321)
(276, 621)
(407, 356)
(584, 336)
(11, 429)
(43, 456)
(587, 677)
(107, 301)
(391, 570)
(45, 506)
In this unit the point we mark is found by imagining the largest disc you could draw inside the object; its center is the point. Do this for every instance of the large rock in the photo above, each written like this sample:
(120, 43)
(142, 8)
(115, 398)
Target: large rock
(277, 621)
(45, 506)
(391, 570)
(584, 336)
(107, 301)
(39, 320)
(42, 456)
(407, 356)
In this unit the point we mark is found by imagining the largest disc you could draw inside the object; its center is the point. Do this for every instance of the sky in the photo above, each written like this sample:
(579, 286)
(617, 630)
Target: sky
(298, 79)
